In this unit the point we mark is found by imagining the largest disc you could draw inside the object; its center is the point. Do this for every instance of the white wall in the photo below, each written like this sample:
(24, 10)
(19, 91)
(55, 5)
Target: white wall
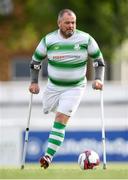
(14, 99)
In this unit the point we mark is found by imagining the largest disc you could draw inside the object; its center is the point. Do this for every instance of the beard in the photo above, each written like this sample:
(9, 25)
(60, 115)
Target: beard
(67, 33)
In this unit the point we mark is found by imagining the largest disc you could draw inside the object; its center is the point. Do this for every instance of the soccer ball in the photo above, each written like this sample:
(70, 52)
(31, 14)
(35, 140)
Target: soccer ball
(88, 160)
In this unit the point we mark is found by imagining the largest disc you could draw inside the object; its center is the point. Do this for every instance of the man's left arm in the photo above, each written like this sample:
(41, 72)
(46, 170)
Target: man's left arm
(99, 66)
(98, 63)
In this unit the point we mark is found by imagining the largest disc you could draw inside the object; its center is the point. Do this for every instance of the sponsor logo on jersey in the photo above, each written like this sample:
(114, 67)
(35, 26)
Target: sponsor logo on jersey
(66, 57)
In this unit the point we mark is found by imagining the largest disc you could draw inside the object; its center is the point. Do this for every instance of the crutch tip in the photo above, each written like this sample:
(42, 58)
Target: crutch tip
(104, 166)
(22, 166)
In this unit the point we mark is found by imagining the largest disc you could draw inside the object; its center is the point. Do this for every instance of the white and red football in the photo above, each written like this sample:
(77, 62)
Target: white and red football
(88, 159)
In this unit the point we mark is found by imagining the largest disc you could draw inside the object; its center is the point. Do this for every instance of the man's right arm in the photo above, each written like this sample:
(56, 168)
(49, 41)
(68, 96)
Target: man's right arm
(35, 67)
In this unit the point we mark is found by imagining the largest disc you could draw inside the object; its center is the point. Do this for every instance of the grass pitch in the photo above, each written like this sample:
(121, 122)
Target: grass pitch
(65, 171)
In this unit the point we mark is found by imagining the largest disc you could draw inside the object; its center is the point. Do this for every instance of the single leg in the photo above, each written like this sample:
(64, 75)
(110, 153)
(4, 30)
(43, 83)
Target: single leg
(55, 139)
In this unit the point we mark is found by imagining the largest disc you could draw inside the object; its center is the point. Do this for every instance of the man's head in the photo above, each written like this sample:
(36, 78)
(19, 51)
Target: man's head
(66, 22)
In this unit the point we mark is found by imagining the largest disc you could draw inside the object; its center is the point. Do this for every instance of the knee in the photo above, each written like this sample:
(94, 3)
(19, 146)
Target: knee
(62, 118)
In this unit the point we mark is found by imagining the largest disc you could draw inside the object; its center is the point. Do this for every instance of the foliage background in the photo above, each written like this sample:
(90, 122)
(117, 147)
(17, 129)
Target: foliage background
(20, 32)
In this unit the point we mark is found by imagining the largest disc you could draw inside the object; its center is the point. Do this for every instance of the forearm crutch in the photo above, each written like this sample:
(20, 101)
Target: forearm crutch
(27, 133)
(103, 129)
(103, 124)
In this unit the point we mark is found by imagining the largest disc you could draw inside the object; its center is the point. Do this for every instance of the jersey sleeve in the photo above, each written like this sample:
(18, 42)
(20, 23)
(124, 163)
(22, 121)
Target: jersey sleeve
(40, 52)
(93, 49)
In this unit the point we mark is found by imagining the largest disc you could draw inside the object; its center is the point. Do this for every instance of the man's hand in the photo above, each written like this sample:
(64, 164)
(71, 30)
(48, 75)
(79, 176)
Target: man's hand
(34, 88)
(97, 84)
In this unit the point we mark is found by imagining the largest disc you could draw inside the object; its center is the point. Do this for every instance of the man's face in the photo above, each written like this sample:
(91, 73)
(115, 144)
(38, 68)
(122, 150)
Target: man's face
(67, 25)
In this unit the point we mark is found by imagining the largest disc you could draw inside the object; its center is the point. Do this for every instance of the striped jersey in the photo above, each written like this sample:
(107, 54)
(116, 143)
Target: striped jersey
(67, 58)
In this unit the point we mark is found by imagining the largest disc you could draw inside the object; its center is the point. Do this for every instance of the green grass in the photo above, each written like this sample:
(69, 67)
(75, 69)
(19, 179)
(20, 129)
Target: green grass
(65, 171)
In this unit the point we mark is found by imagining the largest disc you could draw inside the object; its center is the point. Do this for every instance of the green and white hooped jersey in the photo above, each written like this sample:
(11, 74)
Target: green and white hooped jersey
(67, 58)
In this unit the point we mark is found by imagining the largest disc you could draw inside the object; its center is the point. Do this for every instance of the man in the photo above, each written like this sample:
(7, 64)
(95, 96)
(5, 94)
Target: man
(67, 50)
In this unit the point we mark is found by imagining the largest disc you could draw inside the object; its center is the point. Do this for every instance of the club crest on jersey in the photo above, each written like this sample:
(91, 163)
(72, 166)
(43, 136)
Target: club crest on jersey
(76, 47)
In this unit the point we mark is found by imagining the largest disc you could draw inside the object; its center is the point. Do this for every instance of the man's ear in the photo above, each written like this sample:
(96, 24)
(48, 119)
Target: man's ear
(58, 22)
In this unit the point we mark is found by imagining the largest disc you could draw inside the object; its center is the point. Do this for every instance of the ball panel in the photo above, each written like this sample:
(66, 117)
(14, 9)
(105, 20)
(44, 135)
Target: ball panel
(93, 157)
(81, 160)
